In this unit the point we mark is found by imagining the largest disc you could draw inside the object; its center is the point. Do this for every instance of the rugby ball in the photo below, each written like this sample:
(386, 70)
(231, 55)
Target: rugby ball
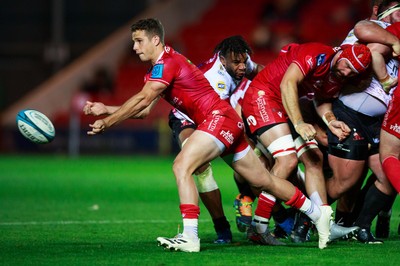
(35, 126)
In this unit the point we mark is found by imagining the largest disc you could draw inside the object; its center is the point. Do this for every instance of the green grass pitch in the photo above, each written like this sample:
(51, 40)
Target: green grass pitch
(109, 210)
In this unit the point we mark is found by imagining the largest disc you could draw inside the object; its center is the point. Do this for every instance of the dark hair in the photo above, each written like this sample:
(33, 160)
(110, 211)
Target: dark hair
(383, 6)
(152, 26)
(235, 44)
(376, 2)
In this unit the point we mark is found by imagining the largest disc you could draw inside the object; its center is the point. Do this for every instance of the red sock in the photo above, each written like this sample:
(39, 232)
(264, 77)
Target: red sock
(264, 206)
(297, 200)
(190, 211)
(391, 167)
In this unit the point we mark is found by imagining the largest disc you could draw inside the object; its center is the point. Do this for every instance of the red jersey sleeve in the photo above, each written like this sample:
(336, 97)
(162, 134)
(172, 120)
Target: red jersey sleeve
(163, 71)
(310, 56)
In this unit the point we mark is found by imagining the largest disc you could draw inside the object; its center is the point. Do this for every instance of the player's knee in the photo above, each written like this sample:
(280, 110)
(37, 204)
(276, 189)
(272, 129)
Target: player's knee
(205, 181)
(286, 163)
(179, 169)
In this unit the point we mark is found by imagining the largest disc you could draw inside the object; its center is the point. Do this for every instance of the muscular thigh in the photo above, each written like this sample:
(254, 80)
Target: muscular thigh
(199, 149)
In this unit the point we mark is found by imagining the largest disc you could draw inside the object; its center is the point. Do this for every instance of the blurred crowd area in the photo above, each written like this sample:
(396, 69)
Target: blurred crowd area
(267, 25)
(328, 21)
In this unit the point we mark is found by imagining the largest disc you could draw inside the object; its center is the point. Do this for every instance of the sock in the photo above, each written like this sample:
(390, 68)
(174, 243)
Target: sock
(265, 204)
(361, 197)
(391, 167)
(221, 224)
(260, 223)
(190, 214)
(387, 210)
(315, 197)
(305, 205)
(374, 202)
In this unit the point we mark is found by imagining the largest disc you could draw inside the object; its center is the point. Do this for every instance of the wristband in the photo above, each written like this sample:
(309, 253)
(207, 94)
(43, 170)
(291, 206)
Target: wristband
(328, 118)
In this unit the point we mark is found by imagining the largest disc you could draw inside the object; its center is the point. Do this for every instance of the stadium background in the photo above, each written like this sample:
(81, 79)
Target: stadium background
(56, 54)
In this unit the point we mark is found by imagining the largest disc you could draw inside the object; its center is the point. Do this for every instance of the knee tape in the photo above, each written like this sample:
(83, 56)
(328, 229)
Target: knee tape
(282, 146)
(302, 146)
(205, 181)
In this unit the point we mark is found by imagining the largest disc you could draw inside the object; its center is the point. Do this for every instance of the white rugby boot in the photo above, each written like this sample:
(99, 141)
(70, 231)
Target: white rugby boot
(180, 243)
(323, 226)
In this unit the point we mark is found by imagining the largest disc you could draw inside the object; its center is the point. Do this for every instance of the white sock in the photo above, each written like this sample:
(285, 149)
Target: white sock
(311, 210)
(316, 198)
(260, 223)
(190, 228)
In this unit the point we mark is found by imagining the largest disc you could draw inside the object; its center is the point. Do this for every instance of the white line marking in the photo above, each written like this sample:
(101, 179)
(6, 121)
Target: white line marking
(91, 222)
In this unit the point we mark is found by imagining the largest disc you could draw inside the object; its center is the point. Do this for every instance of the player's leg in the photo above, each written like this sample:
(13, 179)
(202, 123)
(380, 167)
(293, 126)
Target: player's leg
(249, 166)
(379, 196)
(182, 129)
(389, 150)
(199, 149)
(210, 195)
(346, 173)
(279, 142)
(243, 202)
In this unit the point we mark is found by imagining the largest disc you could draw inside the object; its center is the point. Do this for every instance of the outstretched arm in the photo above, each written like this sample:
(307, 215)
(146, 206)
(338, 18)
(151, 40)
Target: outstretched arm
(98, 108)
(131, 108)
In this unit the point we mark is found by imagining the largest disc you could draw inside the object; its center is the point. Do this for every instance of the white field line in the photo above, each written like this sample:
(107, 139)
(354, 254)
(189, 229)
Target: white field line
(17, 223)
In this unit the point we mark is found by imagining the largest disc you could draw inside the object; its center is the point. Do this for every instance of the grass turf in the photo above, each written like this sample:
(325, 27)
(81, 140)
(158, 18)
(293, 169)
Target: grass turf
(109, 211)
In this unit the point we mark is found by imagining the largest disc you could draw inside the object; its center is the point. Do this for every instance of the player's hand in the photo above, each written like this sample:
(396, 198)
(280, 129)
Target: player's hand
(306, 131)
(340, 129)
(396, 49)
(94, 108)
(97, 127)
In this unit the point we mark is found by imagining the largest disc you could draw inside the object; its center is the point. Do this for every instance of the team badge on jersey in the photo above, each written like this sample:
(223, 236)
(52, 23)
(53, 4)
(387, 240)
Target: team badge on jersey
(157, 71)
(221, 86)
(321, 59)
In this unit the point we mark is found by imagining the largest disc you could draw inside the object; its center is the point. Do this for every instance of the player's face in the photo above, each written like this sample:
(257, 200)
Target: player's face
(235, 65)
(343, 69)
(143, 45)
(395, 17)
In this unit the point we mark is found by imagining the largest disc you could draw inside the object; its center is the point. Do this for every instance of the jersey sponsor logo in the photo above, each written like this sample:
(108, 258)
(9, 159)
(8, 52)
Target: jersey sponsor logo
(261, 107)
(357, 136)
(321, 59)
(221, 86)
(157, 71)
(214, 122)
(228, 136)
(341, 147)
(395, 128)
